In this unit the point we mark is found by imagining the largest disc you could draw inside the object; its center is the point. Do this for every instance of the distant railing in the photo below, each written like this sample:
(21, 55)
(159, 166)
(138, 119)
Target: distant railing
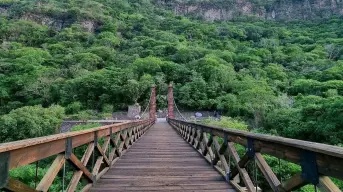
(115, 139)
(318, 161)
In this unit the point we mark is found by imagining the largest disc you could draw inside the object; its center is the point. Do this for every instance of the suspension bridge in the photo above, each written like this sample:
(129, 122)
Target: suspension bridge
(170, 155)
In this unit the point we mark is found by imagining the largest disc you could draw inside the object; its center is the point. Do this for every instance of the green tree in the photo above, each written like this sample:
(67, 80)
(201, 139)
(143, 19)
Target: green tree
(29, 122)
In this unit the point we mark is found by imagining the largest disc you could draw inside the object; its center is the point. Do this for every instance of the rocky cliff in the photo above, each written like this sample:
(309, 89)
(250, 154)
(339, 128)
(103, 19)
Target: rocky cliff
(212, 10)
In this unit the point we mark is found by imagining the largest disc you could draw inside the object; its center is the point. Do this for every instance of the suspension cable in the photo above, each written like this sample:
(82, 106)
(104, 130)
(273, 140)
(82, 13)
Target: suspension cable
(64, 174)
(37, 162)
(256, 180)
(146, 108)
(179, 111)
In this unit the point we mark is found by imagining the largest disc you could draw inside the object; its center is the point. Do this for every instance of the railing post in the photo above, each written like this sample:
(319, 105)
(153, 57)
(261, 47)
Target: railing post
(170, 102)
(152, 112)
(4, 168)
(309, 168)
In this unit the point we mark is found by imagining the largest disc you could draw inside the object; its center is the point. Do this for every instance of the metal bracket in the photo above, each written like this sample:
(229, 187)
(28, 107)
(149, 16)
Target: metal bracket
(95, 145)
(93, 178)
(95, 138)
(227, 176)
(210, 141)
(4, 168)
(69, 147)
(251, 150)
(111, 132)
(309, 168)
(224, 145)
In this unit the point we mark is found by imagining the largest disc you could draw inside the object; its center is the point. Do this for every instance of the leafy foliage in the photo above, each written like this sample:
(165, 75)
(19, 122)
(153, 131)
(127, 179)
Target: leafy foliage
(29, 122)
(227, 122)
(98, 55)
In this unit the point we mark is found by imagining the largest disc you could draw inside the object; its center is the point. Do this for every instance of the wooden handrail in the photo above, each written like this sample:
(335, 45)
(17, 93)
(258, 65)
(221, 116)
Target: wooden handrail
(24, 152)
(325, 160)
(39, 140)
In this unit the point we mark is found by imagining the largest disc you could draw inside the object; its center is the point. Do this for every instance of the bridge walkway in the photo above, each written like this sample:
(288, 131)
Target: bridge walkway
(161, 161)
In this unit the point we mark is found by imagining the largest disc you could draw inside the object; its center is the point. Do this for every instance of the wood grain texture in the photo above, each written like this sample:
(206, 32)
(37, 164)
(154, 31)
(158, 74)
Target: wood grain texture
(161, 161)
(268, 173)
(17, 186)
(28, 151)
(78, 165)
(78, 174)
(329, 158)
(326, 185)
(50, 175)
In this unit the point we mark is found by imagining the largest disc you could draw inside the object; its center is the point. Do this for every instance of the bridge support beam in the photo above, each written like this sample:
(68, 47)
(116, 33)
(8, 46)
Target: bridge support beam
(170, 102)
(152, 108)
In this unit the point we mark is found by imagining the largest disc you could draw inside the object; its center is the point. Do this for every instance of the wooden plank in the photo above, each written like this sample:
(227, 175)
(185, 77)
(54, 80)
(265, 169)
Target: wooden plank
(32, 150)
(123, 136)
(31, 154)
(268, 173)
(74, 181)
(242, 171)
(86, 156)
(326, 185)
(102, 173)
(106, 144)
(50, 175)
(97, 165)
(127, 138)
(243, 162)
(159, 161)
(78, 165)
(188, 134)
(78, 174)
(86, 188)
(216, 154)
(183, 132)
(136, 134)
(221, 157)
(294, 183)
(18, 186)
(115, 141)
(194, 136)
(328, 157)
(130, 136)
(101, 151)
(200, 138)
(208, 149)
(311, 146)
(10, 146)
(112, 154)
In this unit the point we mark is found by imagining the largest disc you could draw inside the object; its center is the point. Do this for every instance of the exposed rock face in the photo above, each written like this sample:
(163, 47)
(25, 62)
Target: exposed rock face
(89, 25)
(272, 9)
(58, 24)
(3, 11)
(53, 23)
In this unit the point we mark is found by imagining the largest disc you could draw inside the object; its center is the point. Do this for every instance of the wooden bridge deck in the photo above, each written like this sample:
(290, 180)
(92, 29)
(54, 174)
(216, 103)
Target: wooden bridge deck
(161, 161)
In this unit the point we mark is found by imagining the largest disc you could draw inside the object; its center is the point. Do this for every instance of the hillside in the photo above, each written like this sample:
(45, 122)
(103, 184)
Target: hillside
(280, 10)
(284, 78)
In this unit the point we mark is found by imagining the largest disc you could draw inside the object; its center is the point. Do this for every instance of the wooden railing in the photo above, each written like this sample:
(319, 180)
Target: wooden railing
(115, 139)
(318, 161)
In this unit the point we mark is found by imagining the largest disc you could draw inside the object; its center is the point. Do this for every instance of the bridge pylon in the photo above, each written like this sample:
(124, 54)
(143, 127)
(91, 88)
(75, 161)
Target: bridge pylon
(152, 108)
(170, 101)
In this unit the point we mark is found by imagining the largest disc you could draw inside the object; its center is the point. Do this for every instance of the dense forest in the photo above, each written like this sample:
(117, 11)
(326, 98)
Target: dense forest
(76, 58)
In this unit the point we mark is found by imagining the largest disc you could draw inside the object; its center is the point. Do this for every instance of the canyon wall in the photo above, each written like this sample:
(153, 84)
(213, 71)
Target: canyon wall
(212, 10)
